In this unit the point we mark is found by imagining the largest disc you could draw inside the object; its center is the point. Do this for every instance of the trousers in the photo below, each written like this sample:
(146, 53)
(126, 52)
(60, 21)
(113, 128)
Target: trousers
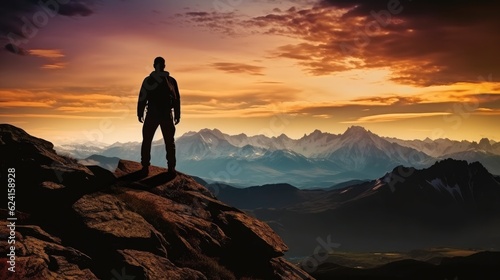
(149, 128)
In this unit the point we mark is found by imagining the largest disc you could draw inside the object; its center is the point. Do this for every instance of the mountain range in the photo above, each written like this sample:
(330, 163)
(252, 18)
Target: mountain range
(451, 203)
(316, 160)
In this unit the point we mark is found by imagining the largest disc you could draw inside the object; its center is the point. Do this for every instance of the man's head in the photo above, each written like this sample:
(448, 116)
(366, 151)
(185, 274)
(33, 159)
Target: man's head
(159, 64)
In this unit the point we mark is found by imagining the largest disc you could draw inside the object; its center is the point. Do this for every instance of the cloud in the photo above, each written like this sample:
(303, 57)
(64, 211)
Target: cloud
(200, 15)
(15, 49)
(74, 8)
(395, 117)
(55, 66)
(220, 22)
(27, 104)
(52, 56)
(487, 111)
(422, 42)
(56, 116)
(389, 100)
(46, 53)
(87, 109)
(395, 108)
(257, 101)
(238, 68)
(66, 101)
(25, 98)
(20, 20)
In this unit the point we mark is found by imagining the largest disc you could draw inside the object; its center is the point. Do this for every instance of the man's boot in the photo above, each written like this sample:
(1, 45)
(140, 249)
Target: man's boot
(145, 170)
(171, 170)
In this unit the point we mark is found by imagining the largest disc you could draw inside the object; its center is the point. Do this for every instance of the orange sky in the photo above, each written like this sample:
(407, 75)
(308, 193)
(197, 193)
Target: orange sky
(400, 69)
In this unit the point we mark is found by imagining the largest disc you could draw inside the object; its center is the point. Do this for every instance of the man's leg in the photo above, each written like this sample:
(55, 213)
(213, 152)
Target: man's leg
(148, 132)
(168, 131)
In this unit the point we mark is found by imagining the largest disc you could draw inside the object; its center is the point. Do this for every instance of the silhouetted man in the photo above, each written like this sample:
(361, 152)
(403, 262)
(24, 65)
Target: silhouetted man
(159, 95)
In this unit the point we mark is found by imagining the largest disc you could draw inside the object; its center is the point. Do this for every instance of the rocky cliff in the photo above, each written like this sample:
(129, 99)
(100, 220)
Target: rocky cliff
(71, 221)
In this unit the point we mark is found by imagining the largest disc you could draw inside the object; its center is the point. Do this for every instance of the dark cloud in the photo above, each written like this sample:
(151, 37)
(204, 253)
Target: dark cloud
(220, 22)
(238, 68)
(391, 100)
(75, 9)
(198, 14)
(20, 20)
(459, 12)
(423, 42)
(15, 49)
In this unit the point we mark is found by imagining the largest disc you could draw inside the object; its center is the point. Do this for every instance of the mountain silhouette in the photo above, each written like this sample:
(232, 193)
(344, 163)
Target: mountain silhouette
(452, 203)
(85, 222)
(481, 265)
(266, 196)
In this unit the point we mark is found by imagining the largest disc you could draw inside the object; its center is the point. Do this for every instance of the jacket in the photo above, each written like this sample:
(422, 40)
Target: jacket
(159, 96)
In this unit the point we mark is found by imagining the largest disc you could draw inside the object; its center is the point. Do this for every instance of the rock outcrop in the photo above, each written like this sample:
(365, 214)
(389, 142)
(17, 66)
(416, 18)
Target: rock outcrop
(84, 222)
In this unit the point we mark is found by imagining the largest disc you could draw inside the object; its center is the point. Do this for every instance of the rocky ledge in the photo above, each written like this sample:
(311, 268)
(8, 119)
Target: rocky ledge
(84, 222)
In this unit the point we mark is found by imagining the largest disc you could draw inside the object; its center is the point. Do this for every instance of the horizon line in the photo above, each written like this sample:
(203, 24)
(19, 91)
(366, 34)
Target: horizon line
(256, 135)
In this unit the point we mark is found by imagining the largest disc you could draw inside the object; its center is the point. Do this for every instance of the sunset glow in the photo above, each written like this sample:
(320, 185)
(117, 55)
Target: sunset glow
(397, 68)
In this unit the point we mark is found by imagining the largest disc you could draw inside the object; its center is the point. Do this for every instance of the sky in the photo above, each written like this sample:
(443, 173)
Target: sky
(71, 70)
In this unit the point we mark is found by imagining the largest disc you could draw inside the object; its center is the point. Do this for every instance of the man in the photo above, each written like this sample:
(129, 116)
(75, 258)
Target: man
(159, 95)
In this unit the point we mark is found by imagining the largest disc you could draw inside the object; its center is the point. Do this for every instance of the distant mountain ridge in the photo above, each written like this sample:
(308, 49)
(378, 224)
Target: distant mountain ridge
(443, 147)
(326, 142)
(315, 160)
(451, 203)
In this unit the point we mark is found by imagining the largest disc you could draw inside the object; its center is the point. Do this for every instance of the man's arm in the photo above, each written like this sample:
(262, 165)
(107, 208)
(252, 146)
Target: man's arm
(142, 100)
(177, 103)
